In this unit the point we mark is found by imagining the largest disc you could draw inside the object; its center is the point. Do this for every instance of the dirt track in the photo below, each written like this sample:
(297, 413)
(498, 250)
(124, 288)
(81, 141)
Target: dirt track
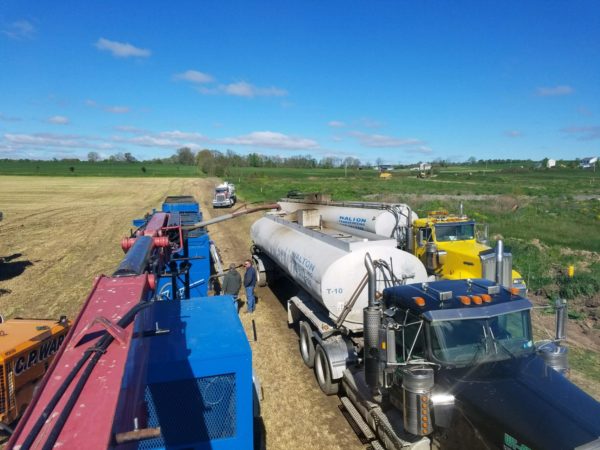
(60, 233)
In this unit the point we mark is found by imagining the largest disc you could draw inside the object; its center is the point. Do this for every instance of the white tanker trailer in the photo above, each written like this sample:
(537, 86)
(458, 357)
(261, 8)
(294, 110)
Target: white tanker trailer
(385, 219)
(329, 264)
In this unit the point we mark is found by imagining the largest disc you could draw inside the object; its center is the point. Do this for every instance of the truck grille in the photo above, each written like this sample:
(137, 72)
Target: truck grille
(191, 411)
(220, 197)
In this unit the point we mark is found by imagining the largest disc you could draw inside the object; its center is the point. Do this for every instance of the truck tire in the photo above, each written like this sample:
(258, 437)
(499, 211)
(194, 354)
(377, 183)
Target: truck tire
(323, 373)
(307, 346)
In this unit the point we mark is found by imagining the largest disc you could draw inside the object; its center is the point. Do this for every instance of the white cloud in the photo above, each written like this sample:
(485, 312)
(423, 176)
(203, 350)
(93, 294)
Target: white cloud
(42, 140)
(584, 133)
(513, 133)
(370, 123)
(113, 109)
(117, 109)
(130, 129)
(555, 91)
(193, 76)
(58, 120)
(336, 124)
(166, 139)
(121, 49)
(19, 30)
(243, 89)
(380, 140)
(271, 139)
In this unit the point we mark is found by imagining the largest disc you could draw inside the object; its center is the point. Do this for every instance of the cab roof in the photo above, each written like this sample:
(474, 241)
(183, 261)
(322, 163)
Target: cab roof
(455, 299)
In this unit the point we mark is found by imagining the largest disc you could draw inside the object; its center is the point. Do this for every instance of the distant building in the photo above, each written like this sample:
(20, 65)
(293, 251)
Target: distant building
(385, 168)
(588, 163)
(422, 167)
(550, 163)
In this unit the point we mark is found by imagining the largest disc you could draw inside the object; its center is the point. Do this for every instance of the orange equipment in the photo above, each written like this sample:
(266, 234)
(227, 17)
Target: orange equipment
(27, 347)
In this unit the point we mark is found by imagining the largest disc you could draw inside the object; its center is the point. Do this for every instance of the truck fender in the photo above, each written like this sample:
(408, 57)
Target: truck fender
(340, 353)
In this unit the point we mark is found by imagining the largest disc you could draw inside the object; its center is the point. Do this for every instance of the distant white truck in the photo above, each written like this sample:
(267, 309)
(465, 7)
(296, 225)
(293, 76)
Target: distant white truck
(224, 196)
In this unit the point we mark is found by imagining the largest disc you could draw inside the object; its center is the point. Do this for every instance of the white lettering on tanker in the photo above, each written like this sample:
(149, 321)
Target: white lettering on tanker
(353, 222)
(302, 267)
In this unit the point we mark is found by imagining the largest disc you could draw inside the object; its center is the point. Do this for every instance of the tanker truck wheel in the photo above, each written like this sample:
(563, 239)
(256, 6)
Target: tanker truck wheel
(307, 346)
(323, 373)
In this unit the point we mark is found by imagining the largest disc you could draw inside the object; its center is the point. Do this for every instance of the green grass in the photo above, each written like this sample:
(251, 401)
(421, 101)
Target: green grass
(538, 213)
(585, 361)
(97, 169)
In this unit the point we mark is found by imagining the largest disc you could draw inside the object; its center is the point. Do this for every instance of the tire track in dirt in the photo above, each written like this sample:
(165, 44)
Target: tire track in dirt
(296, 414)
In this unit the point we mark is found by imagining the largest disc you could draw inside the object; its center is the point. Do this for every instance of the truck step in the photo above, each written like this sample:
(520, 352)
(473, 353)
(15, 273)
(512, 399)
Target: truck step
(376, 445)
(358, 420)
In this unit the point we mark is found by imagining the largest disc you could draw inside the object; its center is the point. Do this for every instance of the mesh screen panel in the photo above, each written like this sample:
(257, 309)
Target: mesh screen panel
(189, 411)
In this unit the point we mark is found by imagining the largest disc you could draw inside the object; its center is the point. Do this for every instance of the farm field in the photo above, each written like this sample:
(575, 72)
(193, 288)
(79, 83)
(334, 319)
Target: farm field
(60, 232)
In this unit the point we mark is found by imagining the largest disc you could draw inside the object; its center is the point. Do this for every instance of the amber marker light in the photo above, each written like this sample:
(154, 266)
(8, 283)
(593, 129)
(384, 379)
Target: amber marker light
(476, 299)
(514, 291)
(465, 300)
(419, 301)
(486, 298)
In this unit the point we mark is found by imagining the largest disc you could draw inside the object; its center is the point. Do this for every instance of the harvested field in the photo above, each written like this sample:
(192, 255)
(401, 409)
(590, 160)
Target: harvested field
(59, 233)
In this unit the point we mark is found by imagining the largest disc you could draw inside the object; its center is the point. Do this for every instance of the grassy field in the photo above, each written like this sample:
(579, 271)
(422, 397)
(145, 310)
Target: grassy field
(549, 218)
(97, 169)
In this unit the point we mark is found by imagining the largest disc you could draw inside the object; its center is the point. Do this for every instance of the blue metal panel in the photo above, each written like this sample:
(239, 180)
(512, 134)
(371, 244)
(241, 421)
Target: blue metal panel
(200, 376)
(185, 203)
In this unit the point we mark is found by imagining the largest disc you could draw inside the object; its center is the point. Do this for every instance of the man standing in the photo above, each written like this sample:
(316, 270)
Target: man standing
(249, 283)
(232, 282)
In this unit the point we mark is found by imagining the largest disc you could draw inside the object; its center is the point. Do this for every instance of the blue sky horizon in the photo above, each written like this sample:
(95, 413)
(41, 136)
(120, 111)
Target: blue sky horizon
(398, 81)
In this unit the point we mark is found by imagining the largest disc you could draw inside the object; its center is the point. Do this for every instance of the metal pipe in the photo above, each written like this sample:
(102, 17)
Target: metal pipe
(410, 245)
(233, 215)
(561, 319)
(371, 326)
(348, 307)
(371, 274)
(137, 258)
(499, 261)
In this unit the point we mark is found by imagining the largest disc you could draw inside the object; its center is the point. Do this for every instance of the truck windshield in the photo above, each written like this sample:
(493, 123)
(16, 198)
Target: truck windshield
(468, 341)
(221, 190)
(455, 232)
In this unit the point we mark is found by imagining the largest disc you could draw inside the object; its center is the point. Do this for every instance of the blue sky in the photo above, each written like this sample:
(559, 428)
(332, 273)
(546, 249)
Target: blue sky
(401, 81)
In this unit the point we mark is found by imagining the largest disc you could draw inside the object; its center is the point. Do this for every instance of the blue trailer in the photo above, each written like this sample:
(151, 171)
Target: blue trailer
(152, 361)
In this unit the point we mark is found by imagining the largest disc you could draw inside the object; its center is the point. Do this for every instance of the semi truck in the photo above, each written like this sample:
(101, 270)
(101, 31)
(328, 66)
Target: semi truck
(447, 244)
(421, 364)
(224, 196)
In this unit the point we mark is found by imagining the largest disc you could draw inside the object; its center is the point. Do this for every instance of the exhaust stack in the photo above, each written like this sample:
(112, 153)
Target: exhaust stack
(499, 261)
(372, 323)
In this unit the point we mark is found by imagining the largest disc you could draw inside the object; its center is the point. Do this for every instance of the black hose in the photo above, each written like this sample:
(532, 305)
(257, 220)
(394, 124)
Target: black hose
(98, 349)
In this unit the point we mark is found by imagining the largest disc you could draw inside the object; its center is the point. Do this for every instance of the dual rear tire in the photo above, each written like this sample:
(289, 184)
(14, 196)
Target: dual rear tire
(316, 358)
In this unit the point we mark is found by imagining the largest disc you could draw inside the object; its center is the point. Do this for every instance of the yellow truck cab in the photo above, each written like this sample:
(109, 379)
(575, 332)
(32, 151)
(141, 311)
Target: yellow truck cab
(27, 347)
(448, 247)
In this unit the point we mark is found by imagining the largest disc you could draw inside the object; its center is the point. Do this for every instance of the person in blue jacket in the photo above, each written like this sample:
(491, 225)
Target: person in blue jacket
(249, 283)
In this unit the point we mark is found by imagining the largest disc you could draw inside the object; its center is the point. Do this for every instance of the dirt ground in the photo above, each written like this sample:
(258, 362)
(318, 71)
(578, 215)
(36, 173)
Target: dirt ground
(59, 233)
